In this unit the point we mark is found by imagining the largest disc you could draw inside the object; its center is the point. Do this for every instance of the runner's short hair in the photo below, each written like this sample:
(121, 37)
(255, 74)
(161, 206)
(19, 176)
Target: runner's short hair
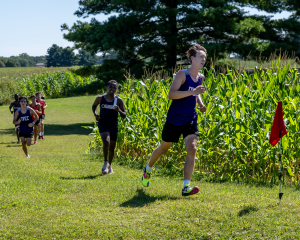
(23, 97)
(193, 51)
(38, 93)
(32, 96)
(112, 82)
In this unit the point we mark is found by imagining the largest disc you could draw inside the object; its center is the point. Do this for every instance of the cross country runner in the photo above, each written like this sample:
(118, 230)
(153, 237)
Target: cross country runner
(15, 105)
(110, 106)
(182, 117)
(43, 104)
(24, 114)
(37, 108)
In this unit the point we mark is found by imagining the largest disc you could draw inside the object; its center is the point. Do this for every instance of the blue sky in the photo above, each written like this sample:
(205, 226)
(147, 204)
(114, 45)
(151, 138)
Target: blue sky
(33, 26)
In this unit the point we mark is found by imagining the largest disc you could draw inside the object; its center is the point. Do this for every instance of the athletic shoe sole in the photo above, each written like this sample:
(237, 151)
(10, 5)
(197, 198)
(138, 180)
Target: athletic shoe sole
(194, 191)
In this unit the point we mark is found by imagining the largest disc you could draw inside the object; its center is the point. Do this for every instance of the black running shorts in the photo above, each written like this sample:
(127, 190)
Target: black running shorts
(26, 135)
(112, 129)
(37, 122)
(42, 116)
(171, 132)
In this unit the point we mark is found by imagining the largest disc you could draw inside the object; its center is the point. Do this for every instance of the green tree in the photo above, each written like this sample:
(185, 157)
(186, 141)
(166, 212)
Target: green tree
(53, 59)
(87, 58)
(61, 57)
(2, 65)
(162, 30)
(11, 63)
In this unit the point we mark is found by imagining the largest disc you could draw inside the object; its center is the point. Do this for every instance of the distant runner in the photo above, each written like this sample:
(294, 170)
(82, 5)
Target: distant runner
(43, 104)
(182, 117)
(37, 108)
(110, 106)
(15, 105)
(23, 116)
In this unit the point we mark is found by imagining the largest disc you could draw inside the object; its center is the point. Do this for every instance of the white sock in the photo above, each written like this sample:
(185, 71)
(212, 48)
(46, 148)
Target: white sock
(148, 169)
(186, 182)
(41, 134)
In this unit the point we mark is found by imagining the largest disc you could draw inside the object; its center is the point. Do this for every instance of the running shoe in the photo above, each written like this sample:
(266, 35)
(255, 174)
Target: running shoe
(27, 156)
(110, 170)
(146, 178)
(40, 137)
(105, 167)
(187, 190)
(35, 142)
(43, 137)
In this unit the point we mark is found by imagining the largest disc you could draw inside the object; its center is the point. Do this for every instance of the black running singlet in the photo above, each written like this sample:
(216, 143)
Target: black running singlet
(108, 114)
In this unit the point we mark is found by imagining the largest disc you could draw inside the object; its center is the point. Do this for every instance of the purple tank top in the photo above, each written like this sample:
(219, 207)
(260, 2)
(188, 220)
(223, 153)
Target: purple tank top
(183, 110)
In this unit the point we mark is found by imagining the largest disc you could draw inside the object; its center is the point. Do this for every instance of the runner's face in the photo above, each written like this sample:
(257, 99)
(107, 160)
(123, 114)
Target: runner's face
(33, 100)
(17, 97)
(23, 102)
(199, 60)
(112, 88)
(38, 96)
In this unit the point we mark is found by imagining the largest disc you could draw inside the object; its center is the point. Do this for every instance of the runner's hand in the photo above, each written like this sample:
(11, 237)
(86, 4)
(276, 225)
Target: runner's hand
(116, 107)
(98, 117)
(203, 108)
(199, 90)
(30, 125)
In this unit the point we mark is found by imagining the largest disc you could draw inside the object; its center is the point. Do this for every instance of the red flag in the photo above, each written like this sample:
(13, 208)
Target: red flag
(278, 125)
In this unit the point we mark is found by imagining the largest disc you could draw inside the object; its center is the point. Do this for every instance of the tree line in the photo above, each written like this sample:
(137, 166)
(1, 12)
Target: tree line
(56, 57)
(155, 34)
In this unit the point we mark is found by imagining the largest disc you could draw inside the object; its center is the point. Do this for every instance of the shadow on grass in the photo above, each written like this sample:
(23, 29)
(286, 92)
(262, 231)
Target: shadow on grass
(15, 145)
(9, 142)
(69, 129)
(82, 178)
(59, 129)
(141, 199)
(247, 210)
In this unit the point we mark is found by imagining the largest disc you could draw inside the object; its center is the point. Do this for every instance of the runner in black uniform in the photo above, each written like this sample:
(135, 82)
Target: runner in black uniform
(110, 106)
(15, 105)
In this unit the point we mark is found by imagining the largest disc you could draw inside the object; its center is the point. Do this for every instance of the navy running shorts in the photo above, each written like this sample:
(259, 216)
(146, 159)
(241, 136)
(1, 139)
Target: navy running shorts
(171, 132)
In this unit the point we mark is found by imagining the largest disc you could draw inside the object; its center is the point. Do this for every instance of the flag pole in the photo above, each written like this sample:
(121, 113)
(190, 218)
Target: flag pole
(280, 173)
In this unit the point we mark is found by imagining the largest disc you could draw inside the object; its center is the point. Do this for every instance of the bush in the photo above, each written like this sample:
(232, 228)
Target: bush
(2, 65)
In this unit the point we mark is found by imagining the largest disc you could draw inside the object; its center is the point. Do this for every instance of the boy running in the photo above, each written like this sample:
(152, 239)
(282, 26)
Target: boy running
(24, 114)
(15, 105)
(37, 108)
(42, 117)
(182, 117)
(110, 106)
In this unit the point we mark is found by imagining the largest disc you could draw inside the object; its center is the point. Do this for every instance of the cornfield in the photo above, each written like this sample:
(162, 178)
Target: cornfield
(234, 132)
(52, 85)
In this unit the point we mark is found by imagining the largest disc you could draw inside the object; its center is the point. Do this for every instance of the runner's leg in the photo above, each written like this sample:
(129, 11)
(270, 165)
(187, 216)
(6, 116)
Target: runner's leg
(106, 140)
(112, 146)
(191, 148)
(24, 145)
(35, 127)
(28, 142)
(160, 150)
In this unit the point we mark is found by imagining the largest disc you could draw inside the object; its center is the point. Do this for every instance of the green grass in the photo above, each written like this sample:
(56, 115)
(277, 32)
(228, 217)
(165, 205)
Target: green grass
(60, 193)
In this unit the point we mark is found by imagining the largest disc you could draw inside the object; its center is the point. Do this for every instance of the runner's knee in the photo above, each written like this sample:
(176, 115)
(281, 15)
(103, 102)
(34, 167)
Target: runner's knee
(163, 150)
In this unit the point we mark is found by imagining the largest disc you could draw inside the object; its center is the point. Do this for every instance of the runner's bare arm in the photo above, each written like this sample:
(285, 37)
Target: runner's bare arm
(16, 117)
(120, 108)
(39, 109)
(32, 112)
(94, 107)
(178, 81)
(201, 104)
(45, 104)
(10, 106)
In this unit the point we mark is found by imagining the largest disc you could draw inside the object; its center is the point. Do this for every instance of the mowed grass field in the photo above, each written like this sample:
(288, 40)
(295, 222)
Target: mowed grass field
(60, 193)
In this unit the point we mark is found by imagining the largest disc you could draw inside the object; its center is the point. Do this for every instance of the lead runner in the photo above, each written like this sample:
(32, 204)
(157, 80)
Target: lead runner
(182, 117)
